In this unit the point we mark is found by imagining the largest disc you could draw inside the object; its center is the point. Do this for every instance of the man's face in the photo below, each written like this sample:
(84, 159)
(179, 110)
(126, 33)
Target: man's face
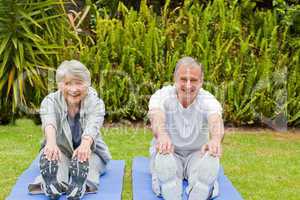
(188, 82)
(74, 90)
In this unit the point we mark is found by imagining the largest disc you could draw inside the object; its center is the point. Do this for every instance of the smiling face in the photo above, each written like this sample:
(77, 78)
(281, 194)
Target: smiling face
(188, 81)
(74, 90)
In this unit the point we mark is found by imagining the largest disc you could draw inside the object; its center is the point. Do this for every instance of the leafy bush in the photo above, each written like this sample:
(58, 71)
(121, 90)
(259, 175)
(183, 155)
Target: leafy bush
(251, 59)
(250, 64)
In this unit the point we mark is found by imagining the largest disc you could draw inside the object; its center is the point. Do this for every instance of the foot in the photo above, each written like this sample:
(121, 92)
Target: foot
(209, 169)
(78, 175)
(48, 170)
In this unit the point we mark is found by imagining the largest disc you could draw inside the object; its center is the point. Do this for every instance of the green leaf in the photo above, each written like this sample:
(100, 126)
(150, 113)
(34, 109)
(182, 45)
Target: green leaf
(25, 15)
(3, 45)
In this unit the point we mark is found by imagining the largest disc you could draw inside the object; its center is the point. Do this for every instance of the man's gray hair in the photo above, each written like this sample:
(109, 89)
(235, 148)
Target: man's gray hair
(74, 68)
(188, 62)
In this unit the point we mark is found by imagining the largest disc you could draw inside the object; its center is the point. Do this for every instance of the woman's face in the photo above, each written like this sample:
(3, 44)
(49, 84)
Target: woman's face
(74, 90)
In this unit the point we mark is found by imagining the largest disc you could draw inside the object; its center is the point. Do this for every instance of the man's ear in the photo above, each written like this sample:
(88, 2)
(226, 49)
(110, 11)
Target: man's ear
(201, 83)
(175, 81)
(201, 80)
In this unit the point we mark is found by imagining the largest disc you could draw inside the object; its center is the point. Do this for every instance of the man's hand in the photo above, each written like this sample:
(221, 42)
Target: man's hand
(164, 144)
(213, 147)
(83, 152)
(52, 151)
(216, 129)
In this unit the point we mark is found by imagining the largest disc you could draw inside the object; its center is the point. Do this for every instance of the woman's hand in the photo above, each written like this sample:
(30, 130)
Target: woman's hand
(83, 152)
(52, 151)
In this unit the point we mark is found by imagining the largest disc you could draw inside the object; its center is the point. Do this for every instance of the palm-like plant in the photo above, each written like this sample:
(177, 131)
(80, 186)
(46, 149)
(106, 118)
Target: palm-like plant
(28, 39)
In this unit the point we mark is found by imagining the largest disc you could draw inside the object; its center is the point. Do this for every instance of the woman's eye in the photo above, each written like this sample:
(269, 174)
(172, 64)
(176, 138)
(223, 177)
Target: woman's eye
(79, 83)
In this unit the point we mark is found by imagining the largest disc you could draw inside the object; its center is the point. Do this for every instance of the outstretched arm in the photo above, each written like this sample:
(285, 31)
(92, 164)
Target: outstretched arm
(49, 127)
(51, 149)
(216, 130)
(163, 141)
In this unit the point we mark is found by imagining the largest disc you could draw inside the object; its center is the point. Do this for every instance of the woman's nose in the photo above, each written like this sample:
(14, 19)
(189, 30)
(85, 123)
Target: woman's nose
(73, 88)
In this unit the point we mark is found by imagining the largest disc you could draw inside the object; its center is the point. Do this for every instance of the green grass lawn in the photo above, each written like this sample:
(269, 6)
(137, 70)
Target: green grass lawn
(262, 165)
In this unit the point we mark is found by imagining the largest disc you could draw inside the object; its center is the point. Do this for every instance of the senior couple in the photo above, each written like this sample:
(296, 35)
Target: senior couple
(186, 122)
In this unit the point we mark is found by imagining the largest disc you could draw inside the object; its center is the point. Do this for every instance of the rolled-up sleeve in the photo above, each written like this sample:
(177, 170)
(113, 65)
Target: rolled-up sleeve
(94, 118)
(47, 113)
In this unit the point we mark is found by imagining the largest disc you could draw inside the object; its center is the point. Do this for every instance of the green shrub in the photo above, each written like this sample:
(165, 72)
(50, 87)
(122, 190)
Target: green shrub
(251, 59)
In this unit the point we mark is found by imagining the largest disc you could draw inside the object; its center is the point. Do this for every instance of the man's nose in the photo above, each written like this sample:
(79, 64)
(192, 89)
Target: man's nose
(188, 84)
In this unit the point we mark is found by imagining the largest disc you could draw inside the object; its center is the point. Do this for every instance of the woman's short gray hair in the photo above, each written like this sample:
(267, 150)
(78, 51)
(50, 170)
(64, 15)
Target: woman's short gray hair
(190, 62)
(74, 68)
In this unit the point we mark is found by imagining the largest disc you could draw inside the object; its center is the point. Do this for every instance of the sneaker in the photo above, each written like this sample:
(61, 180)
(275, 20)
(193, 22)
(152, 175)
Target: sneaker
(170, 184)
(202, 189)
(78, 175)
(48, 170)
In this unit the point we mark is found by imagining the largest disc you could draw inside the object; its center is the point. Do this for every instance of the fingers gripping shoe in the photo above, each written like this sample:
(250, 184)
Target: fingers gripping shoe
(78, 175)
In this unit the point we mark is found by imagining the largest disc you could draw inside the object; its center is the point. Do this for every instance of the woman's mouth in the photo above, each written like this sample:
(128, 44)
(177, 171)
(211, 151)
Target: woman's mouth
(74, 95)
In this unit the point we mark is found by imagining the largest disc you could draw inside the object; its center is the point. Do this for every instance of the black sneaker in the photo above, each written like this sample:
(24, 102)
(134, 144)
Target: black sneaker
(48, 170)
(78, 175)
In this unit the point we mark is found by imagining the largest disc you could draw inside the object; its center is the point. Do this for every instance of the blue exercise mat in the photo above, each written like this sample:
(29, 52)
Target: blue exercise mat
(110, 183)
(142, 183)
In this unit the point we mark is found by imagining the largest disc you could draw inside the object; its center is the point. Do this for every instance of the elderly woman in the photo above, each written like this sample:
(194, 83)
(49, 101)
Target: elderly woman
(73, 154)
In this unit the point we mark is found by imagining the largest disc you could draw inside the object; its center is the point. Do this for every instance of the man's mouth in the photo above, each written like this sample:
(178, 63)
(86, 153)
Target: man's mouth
(187, 91)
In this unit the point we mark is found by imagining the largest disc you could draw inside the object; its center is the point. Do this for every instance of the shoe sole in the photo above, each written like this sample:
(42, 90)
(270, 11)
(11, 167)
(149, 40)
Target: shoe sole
(49, 169)
(78, 174)
(201, 188)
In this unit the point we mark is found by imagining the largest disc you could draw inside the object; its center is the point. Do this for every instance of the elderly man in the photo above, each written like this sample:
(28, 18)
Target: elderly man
(73, 154)
(187, 124)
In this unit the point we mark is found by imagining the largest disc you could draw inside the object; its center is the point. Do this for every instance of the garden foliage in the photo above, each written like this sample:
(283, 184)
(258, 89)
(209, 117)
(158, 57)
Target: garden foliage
(251, 55)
